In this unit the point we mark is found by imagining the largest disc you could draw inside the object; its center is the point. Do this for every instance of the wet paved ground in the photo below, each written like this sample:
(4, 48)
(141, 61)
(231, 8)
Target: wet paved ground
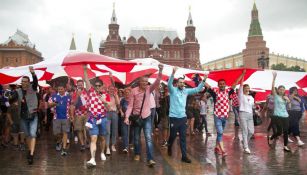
(263, 160)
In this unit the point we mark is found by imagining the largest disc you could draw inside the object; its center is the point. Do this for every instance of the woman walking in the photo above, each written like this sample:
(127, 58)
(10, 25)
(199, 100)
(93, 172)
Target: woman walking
(246, 102)
(295, 114)
(280, 113)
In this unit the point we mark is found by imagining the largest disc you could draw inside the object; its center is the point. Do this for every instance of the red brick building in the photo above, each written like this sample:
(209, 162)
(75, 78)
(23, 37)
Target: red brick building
(18, 51)
(161, 44)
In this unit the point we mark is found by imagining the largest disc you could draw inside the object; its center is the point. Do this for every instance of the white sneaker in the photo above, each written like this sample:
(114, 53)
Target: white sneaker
(247, 151)
(300, 143)
(113, 148)
(289, 140)
(103, 157)
(76, 139)
(91, 163)
(108, 151)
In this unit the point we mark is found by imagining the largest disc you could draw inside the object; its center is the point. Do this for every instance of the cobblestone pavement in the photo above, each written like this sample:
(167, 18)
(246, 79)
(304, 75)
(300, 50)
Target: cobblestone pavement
(263, 160)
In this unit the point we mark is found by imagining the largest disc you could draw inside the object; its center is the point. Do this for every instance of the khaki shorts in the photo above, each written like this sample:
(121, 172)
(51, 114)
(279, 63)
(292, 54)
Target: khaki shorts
(79, 122)
(61, 126)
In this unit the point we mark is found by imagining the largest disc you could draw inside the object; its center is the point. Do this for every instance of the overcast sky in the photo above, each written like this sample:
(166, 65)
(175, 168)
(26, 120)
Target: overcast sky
(221, 25)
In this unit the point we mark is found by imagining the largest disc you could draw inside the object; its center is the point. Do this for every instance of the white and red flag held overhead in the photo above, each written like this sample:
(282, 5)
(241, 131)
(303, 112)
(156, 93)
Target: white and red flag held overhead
(125, 72)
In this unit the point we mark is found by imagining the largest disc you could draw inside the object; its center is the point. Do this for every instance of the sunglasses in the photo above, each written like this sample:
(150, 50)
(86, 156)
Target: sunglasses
(98, 85)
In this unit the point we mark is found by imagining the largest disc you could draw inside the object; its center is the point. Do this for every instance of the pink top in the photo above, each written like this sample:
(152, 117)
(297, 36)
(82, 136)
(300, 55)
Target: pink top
(136, 98)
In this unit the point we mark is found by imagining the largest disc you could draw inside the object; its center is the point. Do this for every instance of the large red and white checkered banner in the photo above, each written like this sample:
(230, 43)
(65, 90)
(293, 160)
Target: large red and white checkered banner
(125, 72)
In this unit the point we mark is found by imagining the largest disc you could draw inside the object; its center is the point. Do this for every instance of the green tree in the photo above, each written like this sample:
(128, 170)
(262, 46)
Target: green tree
(281, 66)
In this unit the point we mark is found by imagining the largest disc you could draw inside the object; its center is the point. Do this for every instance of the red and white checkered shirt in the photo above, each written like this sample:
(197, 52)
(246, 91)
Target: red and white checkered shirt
(81, 110)
(95, 105)
(234, 99)
(221, 106)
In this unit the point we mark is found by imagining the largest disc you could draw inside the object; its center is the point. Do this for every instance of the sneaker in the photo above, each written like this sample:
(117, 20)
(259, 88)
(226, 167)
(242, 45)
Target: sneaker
(287, 149)
(270, 141)
(103, 157)
(58, 147)
(30, 160)
(164, 144)
(29, 155)
(300, 143)
(113, 148)
(151, 163)
(186, 160)
(247, 151)
(64, 152)
(22, 147)
(82, 148)
(217, 151)
(108, 152)
(91, 163)
(137, 157)
(208, 134)
(76, 139)
(125, 150)
(290, 141)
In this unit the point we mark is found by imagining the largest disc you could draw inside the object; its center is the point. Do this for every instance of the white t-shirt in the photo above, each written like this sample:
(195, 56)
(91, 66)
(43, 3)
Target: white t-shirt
(246, 101)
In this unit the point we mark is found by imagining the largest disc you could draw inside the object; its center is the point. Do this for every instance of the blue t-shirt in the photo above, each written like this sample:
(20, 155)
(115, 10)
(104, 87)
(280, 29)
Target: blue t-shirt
(280, 106)
(62, 107)
(178, 98)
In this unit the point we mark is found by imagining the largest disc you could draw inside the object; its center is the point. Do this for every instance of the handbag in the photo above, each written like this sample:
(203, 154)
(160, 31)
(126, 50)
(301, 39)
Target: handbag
(257, 119)
(136, 119)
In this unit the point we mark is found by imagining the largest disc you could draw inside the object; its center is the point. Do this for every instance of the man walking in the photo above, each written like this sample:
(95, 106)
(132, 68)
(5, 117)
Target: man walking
(139, 104)
(178, 118)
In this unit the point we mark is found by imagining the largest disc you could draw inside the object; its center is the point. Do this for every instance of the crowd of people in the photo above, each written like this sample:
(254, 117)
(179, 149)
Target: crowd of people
(98, 114)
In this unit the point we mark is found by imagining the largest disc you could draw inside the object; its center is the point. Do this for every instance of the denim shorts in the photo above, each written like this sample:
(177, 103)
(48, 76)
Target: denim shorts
(29, 127)
(99, 129)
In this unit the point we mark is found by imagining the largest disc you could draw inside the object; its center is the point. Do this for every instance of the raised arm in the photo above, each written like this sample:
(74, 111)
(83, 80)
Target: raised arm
(171, 79)
(233, 86)
(198, 88)
(34, 77)
(87, 81)
(241, 84)
(157, 82)
(273, 92)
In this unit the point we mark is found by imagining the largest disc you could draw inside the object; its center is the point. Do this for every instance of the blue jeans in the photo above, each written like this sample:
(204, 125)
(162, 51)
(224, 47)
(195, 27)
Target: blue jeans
(220, 123)
(178, 125)
(125, 130)
(152, 115)
(29, 127)
(236, 113)
(112, 127)
(147, 127)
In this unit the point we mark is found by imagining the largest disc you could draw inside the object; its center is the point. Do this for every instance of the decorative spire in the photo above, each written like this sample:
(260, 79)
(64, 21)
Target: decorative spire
(190, 21)
(113, 19)
(255, 28)
(89, 45)
(72, 43)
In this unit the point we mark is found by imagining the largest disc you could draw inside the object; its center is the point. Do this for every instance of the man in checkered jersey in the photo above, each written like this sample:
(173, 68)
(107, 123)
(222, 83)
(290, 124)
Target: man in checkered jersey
(98, 101)
(221, 109)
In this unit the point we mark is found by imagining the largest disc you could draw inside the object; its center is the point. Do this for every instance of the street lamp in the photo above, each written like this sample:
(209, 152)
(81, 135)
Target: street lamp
(262, 61)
